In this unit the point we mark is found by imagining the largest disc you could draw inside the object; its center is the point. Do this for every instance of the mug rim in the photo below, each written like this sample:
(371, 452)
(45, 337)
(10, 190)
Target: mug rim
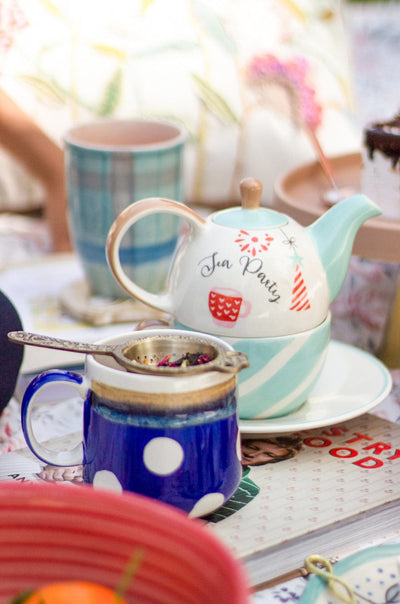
(179, 136)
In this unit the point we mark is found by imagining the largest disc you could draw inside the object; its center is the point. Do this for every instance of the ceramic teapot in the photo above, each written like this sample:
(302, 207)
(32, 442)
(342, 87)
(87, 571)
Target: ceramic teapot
(249, 271)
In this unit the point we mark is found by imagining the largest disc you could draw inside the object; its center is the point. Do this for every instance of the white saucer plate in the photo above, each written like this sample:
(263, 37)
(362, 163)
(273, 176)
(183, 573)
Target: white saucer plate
(352, 382)
(372, 574)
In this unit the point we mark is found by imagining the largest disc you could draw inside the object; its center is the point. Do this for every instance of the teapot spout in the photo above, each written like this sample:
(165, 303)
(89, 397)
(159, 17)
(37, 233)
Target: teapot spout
(333, 235)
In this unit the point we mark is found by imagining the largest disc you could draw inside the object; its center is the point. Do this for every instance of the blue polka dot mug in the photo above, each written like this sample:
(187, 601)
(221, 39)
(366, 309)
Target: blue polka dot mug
(170, 433)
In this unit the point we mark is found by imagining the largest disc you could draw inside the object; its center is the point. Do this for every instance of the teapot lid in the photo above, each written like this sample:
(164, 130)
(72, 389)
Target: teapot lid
(249, 215)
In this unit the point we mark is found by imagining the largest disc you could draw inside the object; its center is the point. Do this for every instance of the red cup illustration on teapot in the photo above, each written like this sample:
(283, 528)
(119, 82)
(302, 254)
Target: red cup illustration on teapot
(226, 305)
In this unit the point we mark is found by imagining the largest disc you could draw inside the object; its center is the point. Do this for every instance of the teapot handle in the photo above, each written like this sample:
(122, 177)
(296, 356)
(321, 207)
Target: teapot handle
(131, 214)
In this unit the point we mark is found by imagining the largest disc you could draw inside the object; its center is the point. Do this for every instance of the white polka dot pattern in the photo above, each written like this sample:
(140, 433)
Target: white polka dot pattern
(207, 504)
(105, 479)
(163, 455)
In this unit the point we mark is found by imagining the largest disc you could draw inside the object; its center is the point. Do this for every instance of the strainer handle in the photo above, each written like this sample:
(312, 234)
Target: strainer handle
(232, 361)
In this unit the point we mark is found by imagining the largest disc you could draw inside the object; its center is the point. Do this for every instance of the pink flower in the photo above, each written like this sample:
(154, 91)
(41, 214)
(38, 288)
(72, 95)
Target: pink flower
(292, 74)
(12, 19)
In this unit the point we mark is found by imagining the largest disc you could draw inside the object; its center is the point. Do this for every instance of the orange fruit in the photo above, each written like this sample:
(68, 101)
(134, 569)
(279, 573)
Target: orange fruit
(67, 592)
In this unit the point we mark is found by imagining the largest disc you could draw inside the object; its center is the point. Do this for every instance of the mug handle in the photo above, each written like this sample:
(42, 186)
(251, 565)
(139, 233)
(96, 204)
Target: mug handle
(73, 457)
(131, 214)
(246, 308)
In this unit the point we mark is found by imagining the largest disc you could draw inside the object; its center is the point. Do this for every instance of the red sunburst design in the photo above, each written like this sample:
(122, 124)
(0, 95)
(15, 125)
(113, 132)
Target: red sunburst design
(253, 244)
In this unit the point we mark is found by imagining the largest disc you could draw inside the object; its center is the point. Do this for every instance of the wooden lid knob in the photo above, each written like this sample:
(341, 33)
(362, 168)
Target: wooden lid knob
(250, 192)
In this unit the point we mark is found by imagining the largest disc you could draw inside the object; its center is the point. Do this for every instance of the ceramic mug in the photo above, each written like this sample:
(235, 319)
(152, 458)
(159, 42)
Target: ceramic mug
(110, 164)
(174, 438)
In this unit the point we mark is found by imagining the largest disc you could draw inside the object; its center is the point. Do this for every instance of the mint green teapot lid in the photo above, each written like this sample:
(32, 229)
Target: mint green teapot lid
(250, 215)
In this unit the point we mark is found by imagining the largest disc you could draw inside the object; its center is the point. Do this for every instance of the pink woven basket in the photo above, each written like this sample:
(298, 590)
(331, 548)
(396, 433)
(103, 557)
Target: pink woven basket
(59, 532)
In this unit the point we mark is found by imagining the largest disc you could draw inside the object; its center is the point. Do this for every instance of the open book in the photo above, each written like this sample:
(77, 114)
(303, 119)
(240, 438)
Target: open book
(338, 493)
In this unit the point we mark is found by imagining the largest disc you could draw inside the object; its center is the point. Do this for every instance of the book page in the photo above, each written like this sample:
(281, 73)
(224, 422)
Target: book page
(340, 471)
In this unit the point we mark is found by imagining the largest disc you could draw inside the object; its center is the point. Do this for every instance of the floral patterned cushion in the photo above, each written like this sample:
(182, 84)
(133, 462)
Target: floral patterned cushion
(253, 83)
